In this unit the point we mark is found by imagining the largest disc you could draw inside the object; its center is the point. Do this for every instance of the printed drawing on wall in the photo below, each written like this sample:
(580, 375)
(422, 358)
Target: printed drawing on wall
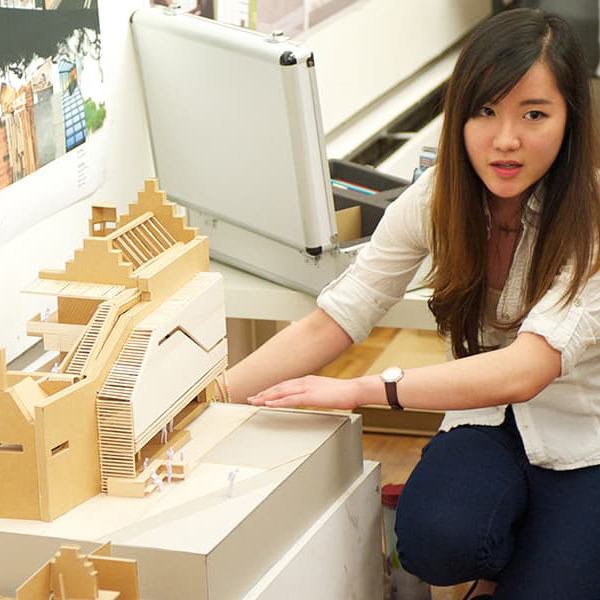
(51, 108)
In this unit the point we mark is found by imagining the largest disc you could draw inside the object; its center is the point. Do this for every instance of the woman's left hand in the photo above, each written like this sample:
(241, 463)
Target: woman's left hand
(312, 391)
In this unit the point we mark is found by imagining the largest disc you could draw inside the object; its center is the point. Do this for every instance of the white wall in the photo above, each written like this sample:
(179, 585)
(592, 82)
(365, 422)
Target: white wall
(51, 242)
(374, 44)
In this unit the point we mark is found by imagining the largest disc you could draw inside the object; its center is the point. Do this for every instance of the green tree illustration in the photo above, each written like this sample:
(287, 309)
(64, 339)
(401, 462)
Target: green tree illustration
(94, 115)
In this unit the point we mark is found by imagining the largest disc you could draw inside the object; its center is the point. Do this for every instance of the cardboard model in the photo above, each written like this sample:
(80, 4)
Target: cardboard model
(140, 328)
(71, 574)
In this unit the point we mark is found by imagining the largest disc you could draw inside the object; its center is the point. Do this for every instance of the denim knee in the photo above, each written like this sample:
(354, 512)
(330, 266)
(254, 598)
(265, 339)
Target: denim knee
(445, 542)
(436, 549)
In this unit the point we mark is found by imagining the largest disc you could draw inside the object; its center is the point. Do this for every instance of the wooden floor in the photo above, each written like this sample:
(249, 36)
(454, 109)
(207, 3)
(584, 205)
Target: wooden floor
(398, 454)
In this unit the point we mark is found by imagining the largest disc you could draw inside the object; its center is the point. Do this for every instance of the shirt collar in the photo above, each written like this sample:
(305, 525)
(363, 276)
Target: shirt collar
(533, 208)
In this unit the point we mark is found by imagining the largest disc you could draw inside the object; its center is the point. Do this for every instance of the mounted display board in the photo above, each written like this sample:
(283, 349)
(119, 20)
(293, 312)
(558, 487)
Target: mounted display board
(52, 112)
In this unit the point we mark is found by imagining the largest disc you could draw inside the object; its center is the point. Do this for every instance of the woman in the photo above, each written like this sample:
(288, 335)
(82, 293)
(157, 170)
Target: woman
(508, 492)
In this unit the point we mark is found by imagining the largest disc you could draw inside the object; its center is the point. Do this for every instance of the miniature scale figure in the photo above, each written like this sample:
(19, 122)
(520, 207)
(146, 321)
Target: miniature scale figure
(145, 463)
(181, 455)
(170, 453)
(171, 425)
(156, 480)
(55, 368)
(163, 435)
(169, 465)
(231, 476)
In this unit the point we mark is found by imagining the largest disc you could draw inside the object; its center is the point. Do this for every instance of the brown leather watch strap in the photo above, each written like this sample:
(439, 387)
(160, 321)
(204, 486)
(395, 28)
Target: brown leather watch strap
(391, 391)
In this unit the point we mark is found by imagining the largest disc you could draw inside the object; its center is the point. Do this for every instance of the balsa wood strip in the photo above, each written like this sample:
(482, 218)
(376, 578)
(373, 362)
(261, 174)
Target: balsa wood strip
(122, 245)
(160, 232)
(73, 289)
(150, 233)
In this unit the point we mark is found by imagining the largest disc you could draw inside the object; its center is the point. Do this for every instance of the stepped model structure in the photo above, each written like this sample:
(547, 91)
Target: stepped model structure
(139, 334)
(71, 574)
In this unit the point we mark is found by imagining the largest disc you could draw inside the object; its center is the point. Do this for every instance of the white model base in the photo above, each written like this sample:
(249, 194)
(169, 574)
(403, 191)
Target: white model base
(207, 539)
(339, 556)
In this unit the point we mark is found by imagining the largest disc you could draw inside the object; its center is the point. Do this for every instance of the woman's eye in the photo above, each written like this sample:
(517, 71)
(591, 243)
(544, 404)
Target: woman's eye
(535, 115)
(485, 111)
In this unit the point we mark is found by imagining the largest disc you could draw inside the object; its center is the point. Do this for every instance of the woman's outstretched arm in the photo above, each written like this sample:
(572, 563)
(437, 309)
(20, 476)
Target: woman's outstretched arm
(303, 347)
(506, 376)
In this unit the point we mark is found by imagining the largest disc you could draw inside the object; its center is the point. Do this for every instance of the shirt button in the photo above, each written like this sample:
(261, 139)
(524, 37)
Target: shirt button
(504, 316)
(577, 302)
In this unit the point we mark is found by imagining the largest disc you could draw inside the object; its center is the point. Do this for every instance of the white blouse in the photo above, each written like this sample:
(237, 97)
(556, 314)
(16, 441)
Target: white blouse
(560, 426)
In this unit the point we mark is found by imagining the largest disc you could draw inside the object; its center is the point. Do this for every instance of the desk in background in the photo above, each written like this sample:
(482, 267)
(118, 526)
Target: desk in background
(250, 298)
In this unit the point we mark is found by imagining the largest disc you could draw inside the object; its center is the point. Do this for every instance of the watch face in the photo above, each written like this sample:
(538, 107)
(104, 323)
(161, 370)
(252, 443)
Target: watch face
(392, 374)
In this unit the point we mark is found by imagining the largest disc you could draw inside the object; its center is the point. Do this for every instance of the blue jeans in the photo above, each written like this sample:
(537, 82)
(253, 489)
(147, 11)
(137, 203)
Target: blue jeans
(475, 508)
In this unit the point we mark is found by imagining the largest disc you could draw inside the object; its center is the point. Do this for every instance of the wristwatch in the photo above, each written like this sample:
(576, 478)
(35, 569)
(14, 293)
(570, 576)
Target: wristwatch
(390, 377)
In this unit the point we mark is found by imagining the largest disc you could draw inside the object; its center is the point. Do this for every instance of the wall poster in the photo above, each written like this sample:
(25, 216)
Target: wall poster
(53, 138)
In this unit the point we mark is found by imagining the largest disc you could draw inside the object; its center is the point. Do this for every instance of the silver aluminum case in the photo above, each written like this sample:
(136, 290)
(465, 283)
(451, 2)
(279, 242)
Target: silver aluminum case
(237, 136)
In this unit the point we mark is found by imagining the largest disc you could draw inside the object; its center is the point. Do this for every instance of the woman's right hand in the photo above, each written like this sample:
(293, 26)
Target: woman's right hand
(317, 392)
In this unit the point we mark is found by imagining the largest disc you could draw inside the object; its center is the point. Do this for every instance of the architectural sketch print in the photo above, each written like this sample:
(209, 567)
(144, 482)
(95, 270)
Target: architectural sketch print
(50, 82)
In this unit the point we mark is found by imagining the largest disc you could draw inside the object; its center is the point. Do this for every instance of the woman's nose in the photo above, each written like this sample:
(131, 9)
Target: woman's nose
(506, 138)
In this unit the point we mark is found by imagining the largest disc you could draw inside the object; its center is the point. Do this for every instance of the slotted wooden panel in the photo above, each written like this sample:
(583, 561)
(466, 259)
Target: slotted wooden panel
(129, 253)
(115, 411)
(146, 240)
(143, 242)
(115, 433)
(158, 229)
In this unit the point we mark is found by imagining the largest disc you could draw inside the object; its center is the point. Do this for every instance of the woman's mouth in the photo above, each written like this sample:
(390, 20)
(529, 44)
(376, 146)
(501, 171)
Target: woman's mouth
(508, 168)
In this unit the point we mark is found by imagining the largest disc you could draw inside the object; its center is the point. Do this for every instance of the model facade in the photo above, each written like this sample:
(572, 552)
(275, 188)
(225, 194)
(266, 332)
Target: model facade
(140, 331)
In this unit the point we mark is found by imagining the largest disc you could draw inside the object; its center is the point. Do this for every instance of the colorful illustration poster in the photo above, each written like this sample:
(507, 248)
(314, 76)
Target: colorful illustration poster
(52, 108)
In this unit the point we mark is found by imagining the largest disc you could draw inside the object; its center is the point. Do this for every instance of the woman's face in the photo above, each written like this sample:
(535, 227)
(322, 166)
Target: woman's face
(512, 143)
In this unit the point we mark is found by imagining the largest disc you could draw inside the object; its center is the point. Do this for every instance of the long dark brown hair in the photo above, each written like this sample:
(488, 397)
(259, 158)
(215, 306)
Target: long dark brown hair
(497, 55)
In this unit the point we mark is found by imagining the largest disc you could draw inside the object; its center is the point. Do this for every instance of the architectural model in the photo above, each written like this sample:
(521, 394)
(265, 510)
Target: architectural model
(140, 331)
(71, 574)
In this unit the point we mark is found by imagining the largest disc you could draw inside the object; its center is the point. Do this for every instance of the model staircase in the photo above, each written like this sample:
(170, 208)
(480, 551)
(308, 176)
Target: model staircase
(115, 411)
(87, 343)
(99, 327)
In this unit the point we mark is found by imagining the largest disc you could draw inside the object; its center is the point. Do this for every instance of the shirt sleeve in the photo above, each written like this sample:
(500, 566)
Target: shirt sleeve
(570, 328)
(361, 295)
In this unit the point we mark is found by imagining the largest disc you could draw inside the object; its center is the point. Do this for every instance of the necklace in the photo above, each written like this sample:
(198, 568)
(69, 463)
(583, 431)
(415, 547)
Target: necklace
(506, 229)
(503, 240)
